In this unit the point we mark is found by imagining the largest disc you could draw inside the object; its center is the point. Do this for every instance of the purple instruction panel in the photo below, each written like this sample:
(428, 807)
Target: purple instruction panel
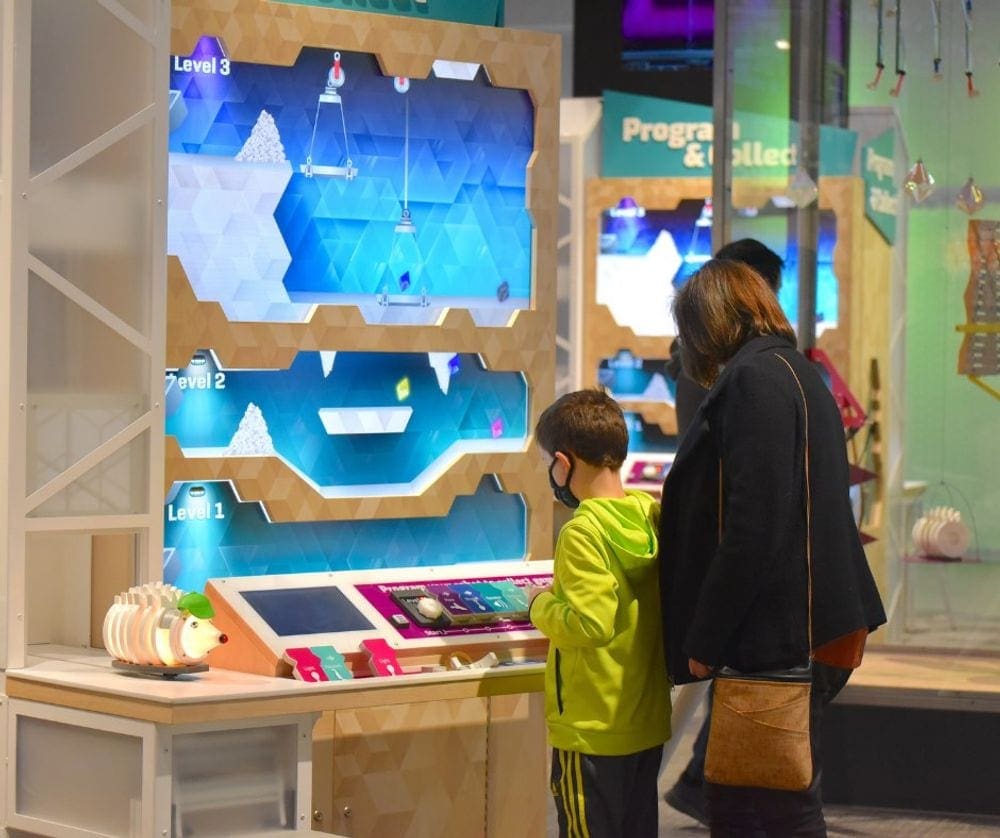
(468, 606)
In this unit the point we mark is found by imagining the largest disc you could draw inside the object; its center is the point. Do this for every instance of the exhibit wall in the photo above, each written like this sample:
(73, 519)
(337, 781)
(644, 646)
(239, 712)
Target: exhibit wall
(361, 280)
(951, 419)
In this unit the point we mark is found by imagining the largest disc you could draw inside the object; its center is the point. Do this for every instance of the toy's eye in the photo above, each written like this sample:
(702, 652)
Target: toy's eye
(194, 624)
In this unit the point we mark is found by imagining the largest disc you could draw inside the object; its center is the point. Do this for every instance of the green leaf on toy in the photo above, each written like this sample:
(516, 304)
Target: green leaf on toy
(196, 604)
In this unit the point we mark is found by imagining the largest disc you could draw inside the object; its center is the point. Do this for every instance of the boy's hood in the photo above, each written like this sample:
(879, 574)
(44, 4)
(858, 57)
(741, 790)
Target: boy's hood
(629, 525)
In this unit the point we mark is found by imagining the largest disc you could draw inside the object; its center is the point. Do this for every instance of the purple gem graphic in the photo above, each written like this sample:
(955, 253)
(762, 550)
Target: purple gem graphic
(404, 281)
(496, 427)
(454, 364)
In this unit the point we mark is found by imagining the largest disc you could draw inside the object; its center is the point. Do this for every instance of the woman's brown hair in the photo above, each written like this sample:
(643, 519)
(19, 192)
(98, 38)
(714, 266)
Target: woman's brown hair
(719, 309)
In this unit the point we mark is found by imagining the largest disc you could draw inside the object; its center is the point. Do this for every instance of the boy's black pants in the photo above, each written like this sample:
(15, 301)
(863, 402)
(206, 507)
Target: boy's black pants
(606, 797)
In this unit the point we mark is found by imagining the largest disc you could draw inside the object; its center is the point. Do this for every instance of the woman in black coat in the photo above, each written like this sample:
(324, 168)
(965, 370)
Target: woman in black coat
(733, 532)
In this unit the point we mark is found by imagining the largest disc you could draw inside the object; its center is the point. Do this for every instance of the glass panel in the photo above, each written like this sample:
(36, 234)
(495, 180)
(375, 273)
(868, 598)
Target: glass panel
(85, 383)
(565, 222)
(86, 779)
(142, 9)
(951, 254)
(210, 798)
(565, 169)
(93, 226)
(564, 381)
(562, 302)
(118, 485)
(89, 72)
(57, 576)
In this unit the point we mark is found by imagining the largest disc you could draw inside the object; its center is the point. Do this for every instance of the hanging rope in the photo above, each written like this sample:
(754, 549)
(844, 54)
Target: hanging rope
(312, 140)
(900, 57)
(879, 63)
(936, 20)
(970, 85)
(406, 157)
(343, 122)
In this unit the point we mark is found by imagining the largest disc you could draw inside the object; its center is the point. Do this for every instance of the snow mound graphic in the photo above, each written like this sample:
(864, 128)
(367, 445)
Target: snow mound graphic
(264, 143)
(252, 438)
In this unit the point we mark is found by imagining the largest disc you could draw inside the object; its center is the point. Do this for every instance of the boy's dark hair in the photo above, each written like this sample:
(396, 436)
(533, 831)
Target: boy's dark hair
(588, 424)
(758, 256)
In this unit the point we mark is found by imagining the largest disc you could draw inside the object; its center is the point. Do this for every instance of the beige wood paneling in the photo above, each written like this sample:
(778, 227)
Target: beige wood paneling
(112, 570)
(518, 789)
(416, 769)
(870, 364)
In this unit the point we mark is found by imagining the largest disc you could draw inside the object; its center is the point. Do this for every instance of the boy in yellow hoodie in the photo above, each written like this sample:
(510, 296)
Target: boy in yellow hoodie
(607, 697)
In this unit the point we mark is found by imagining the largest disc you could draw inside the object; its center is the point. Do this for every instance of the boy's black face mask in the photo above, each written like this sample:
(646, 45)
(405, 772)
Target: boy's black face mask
(564, 494)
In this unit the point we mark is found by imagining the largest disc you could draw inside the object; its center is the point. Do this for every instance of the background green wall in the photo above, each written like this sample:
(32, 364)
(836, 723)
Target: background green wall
(952, 427)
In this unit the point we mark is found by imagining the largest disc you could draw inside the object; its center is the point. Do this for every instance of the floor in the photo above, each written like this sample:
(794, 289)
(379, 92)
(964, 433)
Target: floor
(856, 822)
(953, 605)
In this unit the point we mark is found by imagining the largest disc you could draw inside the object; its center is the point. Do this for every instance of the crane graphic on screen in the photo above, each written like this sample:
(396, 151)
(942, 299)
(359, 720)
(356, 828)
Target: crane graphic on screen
(330, 96)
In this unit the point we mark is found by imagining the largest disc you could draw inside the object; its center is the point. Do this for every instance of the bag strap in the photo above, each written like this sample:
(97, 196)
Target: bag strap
(805, 408)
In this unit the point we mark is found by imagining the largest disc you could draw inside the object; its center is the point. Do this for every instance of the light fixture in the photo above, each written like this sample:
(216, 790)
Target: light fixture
(783, 44)
(970, 198)
(918, 182)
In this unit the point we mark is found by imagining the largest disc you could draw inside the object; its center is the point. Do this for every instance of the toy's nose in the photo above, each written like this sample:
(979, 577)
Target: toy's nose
(223, 638)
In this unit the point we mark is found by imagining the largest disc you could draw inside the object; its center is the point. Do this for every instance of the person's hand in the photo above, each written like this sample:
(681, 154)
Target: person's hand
(698, 669)
(535, 590)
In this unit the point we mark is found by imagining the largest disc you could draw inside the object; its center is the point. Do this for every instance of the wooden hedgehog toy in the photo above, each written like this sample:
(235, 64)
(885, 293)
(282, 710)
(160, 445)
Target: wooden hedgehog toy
(159, 629)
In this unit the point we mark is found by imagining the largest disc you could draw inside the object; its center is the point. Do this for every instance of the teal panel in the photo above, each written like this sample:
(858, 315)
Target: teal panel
(878, 168)
(481, 12)
(649, 137)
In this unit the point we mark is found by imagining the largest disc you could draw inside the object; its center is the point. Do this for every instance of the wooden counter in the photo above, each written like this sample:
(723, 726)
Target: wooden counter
(435, 753)
(218, 695)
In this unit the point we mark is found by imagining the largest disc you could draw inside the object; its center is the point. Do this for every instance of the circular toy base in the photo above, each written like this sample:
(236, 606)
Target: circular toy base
(154, 671)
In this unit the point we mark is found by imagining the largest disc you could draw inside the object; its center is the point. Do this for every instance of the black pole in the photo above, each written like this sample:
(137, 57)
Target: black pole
(722, 127)
(807, 62)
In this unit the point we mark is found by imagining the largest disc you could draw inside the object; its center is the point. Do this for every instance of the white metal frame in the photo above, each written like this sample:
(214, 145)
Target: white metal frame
(157, 742)
(579, 119)
(154, 807)
(303, 724)
(15, 108)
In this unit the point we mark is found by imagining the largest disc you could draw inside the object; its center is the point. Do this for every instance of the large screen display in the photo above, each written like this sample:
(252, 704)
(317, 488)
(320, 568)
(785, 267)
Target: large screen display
(350, 423)
(646, 254)
(627, 377)
(326, 182)
(209, 531)
(295, 611)
(647, 437)
(773, 225)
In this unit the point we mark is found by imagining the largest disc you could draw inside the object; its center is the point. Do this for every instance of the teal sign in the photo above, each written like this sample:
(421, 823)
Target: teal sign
(878, 169)
(481, 12)
(649, 137)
